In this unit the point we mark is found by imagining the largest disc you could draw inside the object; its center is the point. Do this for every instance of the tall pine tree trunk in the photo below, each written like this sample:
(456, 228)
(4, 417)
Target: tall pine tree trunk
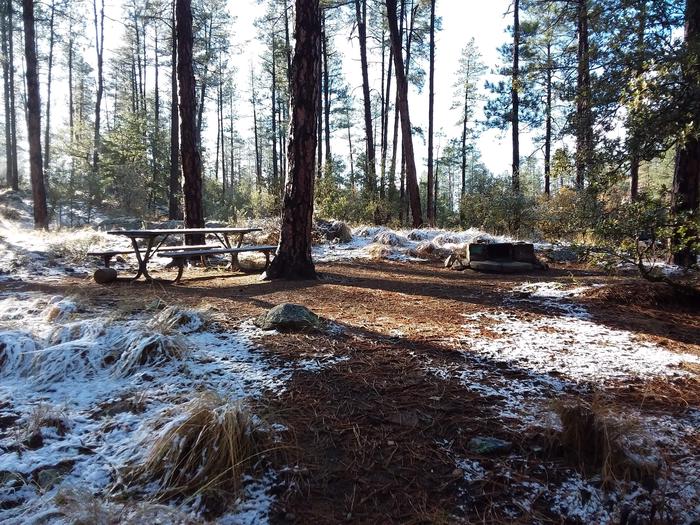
(639, 66)
(41, 216)
(293, 258)
(515, 97)
(326, 98)
(584, 116)
(686, 178)
(370, 170)
(402, 86)
(6, 96)
(174, 186)
(548, 123)
(431, 110)
(47, 132)
(14, 169)
(273, 107)
(99, 22)
(189, 150)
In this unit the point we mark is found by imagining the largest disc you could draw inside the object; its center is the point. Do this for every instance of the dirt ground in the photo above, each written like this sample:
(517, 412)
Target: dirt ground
(374, 438)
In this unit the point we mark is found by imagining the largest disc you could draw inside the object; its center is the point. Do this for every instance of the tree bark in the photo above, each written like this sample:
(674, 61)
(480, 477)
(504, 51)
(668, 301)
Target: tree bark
(175, 187)
(402, 86)
(370, 170)
(293, 258)
(273, 106)
(326, 98)
(258, 167)
(189, 151)
(515, 97)
(6, 96)
(431, 110)
(14, 169)
(41, 216)
(47, 132)
(686, 177)
(634, 146)
(99, 21)
(548, 124)
(584, 117)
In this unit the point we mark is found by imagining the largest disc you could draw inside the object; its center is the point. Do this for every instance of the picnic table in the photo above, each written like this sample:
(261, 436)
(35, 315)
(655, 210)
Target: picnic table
(230, 238)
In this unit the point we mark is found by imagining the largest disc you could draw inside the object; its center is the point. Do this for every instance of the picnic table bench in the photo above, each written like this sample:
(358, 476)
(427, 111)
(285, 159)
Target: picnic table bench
(180, 257)
(155, 239)
(108, 255)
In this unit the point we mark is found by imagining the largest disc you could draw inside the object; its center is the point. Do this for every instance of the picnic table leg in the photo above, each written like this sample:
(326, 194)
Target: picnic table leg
(143, 260)
(106, 259)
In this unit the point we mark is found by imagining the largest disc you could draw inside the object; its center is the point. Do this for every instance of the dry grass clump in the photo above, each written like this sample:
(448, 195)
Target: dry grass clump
(389, 238)
(378, 251)
(83, 508)
(47, 416)
(173, 318)
(75, 245)
(600, 443)
(142, 349)
(203, 452)
(10, 214)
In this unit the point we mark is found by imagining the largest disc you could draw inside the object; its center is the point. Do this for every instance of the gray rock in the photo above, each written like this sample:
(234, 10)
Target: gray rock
(336, 231)
(489, 445)
(289, 317)
(48, 478)
(105, 275)
(251, 262)
(459, 265)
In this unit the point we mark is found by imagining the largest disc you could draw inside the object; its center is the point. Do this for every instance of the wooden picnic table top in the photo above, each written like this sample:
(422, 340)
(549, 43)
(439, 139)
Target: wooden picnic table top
(177, 231)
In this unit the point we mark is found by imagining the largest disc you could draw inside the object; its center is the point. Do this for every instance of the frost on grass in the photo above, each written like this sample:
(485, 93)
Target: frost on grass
(378, 242)
(86, 392)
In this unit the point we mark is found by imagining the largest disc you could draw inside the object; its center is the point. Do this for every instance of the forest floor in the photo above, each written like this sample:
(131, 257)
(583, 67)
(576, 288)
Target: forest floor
(376, 419)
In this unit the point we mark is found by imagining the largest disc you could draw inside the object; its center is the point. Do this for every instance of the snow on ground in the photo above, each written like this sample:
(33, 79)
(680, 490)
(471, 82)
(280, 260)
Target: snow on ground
(378, 242)
(564, 351)
(100, 377)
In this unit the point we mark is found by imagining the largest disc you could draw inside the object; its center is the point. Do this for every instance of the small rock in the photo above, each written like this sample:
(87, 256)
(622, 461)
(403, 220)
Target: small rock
(459, 265)
(48, 478)
(457, 473)
(105, 275)
(489, 445)
(289, 317)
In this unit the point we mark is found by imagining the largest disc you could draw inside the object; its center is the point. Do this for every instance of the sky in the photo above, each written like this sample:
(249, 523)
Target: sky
(484, 20)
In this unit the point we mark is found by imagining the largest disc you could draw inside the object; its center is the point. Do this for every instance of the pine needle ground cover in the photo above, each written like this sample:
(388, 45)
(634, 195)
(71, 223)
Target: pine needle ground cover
(432, 396)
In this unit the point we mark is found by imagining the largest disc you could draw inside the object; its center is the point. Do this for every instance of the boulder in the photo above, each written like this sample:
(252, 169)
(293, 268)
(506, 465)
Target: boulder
(105, 275)
(289, 317)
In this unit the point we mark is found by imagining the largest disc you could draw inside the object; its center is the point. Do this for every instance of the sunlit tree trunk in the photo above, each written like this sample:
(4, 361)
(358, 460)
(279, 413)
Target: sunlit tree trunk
(584, 117)
(431, 123)
(41, 216)
(189, 151)
(402, 86)
(361, 16)
(293, 258)
(175, 188)
(515, 97)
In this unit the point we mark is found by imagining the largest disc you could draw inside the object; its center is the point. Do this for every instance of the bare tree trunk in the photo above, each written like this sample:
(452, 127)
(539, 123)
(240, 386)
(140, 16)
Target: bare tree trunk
(99, 22)
(191, 161)
(14, 171)
(515, 97)
(203, 88)
(584, 117)
(175, 188)
(273, 106)
(686, 178)
(548, 123)
(326, 97)
(41, 216)
(293, 258)
(431, 111)
(47, 132)
(156, 128)
(6, 96)
(402, 86)
(361, 15)
(258, 167)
